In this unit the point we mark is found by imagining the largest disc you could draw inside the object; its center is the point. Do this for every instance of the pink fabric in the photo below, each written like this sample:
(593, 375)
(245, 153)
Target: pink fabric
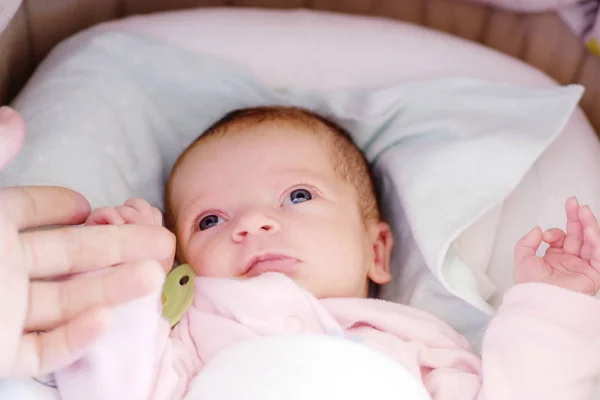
(544, 343)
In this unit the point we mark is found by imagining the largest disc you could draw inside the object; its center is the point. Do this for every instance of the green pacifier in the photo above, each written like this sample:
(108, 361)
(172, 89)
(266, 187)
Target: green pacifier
(178, 293)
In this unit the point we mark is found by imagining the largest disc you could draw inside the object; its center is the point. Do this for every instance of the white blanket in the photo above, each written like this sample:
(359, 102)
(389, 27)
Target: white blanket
(304, 367)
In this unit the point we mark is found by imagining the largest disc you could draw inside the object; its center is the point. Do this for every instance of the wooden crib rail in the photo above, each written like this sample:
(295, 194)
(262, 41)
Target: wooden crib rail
(542, 40)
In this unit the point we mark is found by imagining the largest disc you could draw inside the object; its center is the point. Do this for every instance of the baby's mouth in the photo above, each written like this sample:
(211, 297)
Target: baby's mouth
(271, 262)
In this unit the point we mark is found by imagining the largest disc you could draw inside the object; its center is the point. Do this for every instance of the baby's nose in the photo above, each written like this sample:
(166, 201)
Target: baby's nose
(254, 223)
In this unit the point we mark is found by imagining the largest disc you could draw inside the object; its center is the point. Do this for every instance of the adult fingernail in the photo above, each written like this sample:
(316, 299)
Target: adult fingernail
(6, 113)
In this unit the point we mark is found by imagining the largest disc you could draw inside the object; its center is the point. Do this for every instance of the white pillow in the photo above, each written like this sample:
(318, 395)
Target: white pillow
(359, 52)
(126, 120)
(322, 50)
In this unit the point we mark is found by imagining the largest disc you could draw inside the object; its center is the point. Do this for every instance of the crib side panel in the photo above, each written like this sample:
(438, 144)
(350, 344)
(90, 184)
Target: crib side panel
(589, 77)
(542, 40)
(16, 61)
(131, 7)
(51, 21)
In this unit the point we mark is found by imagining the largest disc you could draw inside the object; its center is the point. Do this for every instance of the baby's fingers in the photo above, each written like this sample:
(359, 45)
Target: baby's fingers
(140, 205)
(131, 215)
(528, 245)
(104, 216)
(555, 238)
(574, 238)
(592, 232)
(592, 236)
(149, 214)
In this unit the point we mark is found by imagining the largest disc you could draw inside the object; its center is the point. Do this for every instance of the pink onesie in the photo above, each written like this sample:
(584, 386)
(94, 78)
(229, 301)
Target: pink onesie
(544, 342)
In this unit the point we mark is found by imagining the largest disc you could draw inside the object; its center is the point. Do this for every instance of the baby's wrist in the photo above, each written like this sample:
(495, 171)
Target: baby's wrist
(569, 308)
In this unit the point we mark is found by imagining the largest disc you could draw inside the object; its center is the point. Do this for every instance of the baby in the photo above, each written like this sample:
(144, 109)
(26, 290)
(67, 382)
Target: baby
(275, 210)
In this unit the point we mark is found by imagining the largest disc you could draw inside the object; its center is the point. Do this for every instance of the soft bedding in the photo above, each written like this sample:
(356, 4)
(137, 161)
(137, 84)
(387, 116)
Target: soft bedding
(348, 52)
(446, 151)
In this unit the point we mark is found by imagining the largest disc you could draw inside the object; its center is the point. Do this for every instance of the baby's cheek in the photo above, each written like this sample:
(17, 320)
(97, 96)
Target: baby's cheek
(350, 243)
(209, 259)
(340, 264)
(337, 240)
(200, 262)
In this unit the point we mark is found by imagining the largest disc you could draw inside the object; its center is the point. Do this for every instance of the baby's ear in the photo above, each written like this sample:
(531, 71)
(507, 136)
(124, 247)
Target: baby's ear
(382, 242)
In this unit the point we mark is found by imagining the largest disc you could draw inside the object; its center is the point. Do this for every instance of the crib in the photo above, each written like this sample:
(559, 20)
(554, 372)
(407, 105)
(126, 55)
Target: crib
(541, 39)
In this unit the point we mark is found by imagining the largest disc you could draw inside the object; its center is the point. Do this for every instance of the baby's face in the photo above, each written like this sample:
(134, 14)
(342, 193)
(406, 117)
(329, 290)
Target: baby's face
(268, 199)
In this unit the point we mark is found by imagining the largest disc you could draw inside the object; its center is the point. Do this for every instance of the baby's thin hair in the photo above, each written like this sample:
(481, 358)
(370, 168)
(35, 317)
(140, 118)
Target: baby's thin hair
(348, 161)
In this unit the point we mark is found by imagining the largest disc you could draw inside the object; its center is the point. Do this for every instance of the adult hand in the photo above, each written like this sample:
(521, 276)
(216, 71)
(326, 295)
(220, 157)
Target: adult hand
(46, 324)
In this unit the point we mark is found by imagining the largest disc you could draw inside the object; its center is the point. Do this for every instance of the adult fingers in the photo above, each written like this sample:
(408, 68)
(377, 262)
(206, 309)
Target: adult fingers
(41, 353)
(574, 238)
(12, 135)
(53, 303)
(72, 250)
(13, 299)
(32, 207)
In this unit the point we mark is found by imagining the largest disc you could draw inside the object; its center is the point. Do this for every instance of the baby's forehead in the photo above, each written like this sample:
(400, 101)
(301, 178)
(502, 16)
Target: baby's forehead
(211, 177)
(271, 132)
(254, 140)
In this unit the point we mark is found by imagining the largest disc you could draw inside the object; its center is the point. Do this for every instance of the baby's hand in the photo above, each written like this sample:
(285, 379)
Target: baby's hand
(134, 211)
(573, 259)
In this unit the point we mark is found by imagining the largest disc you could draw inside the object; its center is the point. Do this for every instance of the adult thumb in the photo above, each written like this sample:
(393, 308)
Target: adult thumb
(12, 135)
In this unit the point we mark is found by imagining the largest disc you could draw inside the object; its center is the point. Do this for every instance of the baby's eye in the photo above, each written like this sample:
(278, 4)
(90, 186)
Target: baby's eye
(298, 196)
(209, 221)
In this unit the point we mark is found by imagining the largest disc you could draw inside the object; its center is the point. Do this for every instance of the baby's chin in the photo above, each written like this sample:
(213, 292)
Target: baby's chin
(321, 291)
(317, 289)
(299, 281)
